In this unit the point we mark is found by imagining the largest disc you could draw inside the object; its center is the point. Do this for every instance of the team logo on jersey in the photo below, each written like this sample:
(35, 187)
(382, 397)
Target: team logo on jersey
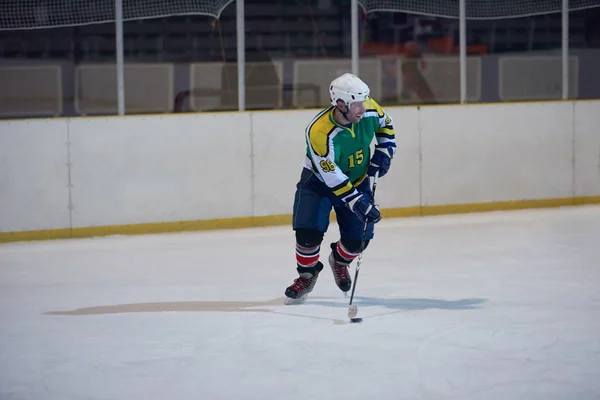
(327, 165)
(387, 120)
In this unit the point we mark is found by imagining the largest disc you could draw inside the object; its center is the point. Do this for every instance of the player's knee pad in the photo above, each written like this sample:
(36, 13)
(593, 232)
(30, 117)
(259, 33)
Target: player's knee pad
(308, 237)
(353, 245)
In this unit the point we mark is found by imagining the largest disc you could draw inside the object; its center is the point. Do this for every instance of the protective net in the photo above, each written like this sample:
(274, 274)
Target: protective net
(35, 14)
(475, 9)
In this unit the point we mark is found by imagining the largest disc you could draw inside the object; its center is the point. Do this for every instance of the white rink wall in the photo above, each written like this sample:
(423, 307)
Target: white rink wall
(86, 172)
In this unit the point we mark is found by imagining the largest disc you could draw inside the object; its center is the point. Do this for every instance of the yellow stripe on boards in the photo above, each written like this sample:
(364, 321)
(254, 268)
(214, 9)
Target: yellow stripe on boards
(275, 220)
(147, 228)
(505, 206)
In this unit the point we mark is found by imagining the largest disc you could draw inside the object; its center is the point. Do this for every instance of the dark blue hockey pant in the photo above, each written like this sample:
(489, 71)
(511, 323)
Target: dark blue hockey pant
(314, 201)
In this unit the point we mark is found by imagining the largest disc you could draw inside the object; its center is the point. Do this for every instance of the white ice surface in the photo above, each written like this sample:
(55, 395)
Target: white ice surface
(482, 306)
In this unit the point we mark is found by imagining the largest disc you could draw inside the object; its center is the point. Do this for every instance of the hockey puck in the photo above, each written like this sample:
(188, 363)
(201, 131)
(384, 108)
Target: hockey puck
(355, 320)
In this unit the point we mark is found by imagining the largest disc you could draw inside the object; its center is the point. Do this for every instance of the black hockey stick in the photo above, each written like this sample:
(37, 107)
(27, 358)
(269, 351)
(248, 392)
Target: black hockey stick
(353, 310)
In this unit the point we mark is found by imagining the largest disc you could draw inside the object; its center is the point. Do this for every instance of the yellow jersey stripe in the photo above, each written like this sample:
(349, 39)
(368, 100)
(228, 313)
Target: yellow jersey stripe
(343, 190)
(385, 131)
(319, 134)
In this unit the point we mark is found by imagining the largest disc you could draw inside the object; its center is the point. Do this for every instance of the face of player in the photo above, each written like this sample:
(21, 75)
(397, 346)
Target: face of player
(355, 111)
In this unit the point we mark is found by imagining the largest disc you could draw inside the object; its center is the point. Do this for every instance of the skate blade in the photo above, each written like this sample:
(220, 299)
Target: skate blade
(290, 302)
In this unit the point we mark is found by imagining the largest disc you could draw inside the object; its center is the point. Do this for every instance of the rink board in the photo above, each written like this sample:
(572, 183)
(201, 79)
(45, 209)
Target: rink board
(81, 177)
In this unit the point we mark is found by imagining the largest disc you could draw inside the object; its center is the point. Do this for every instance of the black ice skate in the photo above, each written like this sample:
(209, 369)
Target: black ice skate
(339, 267)
(298, 291)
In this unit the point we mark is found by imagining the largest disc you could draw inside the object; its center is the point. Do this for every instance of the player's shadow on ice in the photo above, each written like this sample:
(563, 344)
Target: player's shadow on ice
(399, 305)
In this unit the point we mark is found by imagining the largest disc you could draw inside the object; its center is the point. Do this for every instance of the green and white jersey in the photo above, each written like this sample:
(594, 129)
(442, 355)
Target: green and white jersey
(339, 155)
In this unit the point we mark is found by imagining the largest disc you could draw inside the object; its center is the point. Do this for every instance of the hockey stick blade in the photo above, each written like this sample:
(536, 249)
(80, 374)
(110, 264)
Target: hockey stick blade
(352, 311)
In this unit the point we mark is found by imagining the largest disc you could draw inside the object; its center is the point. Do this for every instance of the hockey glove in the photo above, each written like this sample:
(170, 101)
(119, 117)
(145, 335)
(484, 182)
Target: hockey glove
(382, 159)
(363, 207)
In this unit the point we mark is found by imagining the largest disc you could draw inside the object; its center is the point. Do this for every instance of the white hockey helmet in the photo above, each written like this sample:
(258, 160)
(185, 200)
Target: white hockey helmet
(348, 88)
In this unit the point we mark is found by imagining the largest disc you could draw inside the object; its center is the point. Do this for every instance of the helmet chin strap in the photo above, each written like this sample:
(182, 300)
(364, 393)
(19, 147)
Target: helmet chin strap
(345, 114)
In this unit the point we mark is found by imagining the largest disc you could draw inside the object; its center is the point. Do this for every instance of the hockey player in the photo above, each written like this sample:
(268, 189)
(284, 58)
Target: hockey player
(337, 164)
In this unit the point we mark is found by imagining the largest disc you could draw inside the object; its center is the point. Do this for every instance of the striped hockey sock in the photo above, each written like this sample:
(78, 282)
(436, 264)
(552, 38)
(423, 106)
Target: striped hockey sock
(307, 258)
(345, 256)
